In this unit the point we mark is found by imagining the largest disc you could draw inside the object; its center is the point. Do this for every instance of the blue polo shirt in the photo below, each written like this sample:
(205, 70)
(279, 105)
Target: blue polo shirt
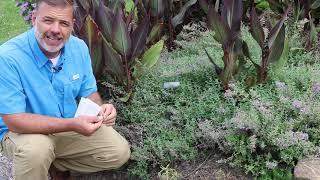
(29, 84)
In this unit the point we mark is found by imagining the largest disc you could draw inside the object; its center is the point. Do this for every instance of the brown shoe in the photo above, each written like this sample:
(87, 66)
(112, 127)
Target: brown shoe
(58, 175)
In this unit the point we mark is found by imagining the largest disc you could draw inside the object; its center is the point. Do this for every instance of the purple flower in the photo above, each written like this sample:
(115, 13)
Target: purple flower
(316, 88)
(297, 104)
(27, 17)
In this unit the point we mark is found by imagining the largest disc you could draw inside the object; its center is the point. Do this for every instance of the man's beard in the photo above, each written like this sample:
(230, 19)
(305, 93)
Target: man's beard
(41, 40)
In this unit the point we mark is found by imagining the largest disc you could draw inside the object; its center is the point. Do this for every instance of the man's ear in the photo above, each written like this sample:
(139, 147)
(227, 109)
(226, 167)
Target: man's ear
(33, 17)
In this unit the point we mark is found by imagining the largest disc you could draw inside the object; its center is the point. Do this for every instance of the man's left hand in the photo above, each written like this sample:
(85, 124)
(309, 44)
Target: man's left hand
(109, 114)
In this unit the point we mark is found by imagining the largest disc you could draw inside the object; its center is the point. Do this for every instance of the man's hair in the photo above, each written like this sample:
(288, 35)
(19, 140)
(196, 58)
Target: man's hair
(54, 3)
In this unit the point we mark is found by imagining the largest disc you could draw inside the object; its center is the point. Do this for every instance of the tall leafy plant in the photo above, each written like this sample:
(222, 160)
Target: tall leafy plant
(166, 16)
(271, 44)
(119, 47)
(227, 31)
(305, 11)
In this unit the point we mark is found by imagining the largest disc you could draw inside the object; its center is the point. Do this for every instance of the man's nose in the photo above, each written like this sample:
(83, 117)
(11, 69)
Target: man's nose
(55, 28)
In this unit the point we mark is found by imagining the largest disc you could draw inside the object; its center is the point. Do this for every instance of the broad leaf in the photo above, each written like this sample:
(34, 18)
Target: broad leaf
(276, 29)
(151, 56)
(313, 32)
(178, 19)
(256, 28)
(155, 32)
(91, 35)
(216, 67)
(139, 37)
(277, 47)
(284, 56)
(232, 14)
(84, 4)
(216, 24)
(245, 50)
(116, 5)
(121, 40)
(105, 18)
(157, 7)
(113, 62)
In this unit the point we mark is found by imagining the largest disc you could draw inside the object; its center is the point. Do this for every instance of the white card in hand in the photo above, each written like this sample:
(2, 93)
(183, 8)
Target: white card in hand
(87, 107)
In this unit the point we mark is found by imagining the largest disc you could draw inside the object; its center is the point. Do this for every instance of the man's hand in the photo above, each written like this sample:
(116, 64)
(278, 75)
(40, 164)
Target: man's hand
(109, 114)
(86, 125)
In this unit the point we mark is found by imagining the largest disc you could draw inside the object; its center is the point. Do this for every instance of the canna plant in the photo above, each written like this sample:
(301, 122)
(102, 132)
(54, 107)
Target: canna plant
(166, 16)
(271, 44)
(303, 11)
(119, 47)
(227, 29)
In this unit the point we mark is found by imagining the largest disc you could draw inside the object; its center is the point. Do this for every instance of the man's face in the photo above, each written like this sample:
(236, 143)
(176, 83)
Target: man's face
(53, 26)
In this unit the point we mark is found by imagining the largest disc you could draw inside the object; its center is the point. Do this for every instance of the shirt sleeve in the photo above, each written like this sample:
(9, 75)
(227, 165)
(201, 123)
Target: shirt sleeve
(12, 97)
(89, 84)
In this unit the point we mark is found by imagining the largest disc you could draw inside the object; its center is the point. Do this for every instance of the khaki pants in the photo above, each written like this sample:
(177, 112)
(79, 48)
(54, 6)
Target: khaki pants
(33, 154)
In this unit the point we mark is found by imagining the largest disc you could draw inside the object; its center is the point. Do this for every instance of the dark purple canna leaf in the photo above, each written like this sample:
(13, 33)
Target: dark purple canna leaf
(116, 5)
(276, 29)
(277, 47)
(178, 19)
(157, 7)
(84, 5)
(139, 37)
(121, 40)
(105, 18)
(232, 14)
(91, 35)
(216, 24)
(256, 28)
(113, 62)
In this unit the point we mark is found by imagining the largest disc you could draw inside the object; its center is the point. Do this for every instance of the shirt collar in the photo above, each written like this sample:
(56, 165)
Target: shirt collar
(40, 58)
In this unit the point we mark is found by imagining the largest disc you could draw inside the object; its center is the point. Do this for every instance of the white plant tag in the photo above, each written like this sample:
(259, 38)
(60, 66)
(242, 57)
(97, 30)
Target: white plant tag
(87, 107)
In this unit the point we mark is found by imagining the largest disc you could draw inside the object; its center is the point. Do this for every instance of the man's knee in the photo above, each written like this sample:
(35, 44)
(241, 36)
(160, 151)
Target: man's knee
(122, 154)
(114, 158)
(38, 151)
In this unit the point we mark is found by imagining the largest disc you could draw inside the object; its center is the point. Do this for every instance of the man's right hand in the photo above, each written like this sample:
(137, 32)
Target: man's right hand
(86, 125)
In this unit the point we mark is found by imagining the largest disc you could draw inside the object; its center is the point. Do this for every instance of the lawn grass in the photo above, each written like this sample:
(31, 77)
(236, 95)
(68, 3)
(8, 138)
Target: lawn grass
(11, 24)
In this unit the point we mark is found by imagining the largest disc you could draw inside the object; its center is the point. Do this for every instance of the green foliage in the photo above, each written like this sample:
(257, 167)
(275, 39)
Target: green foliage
(264, 129)
(116, 46)
(302, 12)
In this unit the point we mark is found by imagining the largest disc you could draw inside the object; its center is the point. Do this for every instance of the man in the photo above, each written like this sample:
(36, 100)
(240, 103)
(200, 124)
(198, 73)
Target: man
(44, 71)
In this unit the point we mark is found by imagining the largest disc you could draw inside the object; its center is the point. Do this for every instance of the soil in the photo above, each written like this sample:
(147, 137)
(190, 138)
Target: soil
(204, 168)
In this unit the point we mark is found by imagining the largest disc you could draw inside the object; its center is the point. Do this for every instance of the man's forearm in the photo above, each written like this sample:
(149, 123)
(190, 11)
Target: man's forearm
(95, 97)
(27, 123)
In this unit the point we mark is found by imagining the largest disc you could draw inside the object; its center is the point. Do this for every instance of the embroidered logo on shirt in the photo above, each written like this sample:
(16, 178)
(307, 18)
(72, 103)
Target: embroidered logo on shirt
(75, 77)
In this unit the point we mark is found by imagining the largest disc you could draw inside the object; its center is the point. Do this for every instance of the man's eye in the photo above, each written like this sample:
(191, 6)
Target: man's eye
(47, 20)
(65, 24)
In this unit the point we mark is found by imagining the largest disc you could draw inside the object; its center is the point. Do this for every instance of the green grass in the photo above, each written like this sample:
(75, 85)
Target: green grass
(11, 24)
